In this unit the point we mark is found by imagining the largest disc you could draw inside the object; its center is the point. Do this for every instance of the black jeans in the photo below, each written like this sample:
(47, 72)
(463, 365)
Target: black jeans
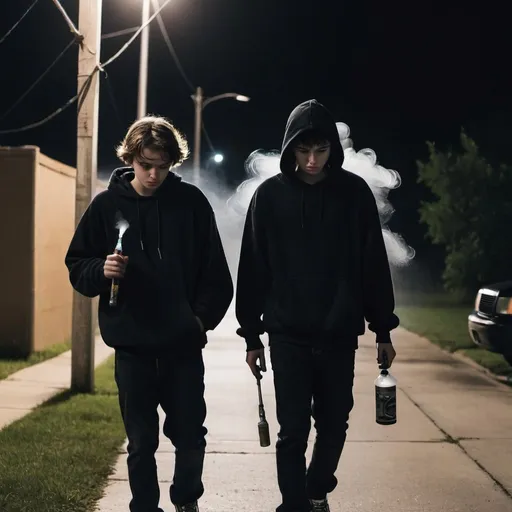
(176, 382)
(310, 383)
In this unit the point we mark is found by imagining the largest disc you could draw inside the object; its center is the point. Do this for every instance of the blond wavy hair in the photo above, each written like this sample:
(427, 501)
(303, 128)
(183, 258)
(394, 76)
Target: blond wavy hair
(157, 133)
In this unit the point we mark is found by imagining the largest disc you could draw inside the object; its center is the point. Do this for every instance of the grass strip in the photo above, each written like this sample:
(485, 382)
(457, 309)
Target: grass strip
(447, 326)
(10, 366)
(58, 458)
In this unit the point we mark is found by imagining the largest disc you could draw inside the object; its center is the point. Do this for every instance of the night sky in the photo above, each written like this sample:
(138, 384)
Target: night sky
(398, 73)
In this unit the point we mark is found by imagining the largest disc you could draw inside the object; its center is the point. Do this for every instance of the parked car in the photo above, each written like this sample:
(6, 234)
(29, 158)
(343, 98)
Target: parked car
(490, 324)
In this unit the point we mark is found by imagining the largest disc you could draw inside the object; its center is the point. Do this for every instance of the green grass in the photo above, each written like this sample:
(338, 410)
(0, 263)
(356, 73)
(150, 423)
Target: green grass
(10, 366)
(446, 325)
(58, 458)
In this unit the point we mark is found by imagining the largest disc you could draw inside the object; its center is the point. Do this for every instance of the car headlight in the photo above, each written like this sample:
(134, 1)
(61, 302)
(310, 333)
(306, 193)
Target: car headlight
(504, 306)
(477, 300)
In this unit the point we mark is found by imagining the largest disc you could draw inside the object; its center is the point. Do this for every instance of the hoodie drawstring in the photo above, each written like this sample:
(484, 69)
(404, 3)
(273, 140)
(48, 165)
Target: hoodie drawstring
(158, 227)
(141, 232)
(322, 202)
(302, 206)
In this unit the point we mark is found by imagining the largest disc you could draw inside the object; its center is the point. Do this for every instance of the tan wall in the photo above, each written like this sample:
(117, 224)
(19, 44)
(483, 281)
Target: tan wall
(38, 219)
(16, 249)
(54, 220)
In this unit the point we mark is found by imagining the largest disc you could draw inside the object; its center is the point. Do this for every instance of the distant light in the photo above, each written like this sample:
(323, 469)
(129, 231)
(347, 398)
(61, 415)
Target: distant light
(241, 97)
(218, 158)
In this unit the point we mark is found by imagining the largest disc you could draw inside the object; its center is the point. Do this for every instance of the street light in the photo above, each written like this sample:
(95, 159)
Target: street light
(218, 158)
(200, 103)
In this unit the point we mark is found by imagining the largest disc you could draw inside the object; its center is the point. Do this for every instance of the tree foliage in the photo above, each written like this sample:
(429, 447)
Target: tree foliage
(470, 215)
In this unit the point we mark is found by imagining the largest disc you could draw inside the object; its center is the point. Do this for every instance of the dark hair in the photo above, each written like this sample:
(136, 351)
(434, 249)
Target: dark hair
(310, 138)
(156, 133)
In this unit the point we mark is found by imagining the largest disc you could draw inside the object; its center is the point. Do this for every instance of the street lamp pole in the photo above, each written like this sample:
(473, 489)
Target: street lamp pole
(200, 102)
(143, 62)
(198, 98)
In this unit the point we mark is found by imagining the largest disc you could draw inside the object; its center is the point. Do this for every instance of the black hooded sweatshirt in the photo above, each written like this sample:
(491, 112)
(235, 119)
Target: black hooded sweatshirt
(313, 260)
(177, 269)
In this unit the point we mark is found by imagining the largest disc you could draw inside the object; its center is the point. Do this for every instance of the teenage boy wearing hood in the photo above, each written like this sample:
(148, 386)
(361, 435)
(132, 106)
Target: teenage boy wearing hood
(313, 264)
(174, 286)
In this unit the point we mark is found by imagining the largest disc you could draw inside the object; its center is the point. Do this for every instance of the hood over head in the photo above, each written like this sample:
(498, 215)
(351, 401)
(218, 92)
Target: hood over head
(310, 115)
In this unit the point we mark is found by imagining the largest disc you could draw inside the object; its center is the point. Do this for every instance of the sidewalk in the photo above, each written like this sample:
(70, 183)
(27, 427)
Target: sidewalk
(24, 390)
(449, 452)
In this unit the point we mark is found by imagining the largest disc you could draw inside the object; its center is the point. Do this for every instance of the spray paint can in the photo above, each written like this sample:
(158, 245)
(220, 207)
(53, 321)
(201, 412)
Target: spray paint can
(114, 289)
(385, 396)
(122, 225)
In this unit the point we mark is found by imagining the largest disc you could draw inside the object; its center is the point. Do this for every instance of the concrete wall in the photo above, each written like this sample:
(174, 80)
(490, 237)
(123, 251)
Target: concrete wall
(38, 219)
(16, 249)
(54, 221)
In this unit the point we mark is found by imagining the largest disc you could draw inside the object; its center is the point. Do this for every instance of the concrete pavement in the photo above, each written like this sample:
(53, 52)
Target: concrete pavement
(450, 451)
(26, 389)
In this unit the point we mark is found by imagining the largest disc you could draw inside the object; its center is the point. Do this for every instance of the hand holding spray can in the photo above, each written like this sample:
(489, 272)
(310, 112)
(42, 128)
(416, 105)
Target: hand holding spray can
(385, 396)
(122, 225)
(114, 288)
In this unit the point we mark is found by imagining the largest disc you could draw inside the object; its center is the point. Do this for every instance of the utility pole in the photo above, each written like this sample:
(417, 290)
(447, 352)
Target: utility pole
(82, 350)
(143, 63)
(198, 98)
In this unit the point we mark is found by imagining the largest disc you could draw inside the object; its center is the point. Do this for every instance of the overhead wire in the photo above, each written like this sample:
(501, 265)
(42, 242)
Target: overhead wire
(86, 85)
(70, 24)
(172, 51)
(113, 100)
(174, 55)
(34, 84)
(119, 33)
(9, 32)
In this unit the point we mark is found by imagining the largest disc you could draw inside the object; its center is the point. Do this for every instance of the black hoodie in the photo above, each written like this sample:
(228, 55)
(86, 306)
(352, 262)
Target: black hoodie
(176, 271)
(313, 260)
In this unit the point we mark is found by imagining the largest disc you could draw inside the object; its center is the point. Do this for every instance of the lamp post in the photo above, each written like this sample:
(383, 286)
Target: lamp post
(200, 103)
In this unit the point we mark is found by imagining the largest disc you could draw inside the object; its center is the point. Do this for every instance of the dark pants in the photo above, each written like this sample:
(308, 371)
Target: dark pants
(310, 383)
(176, 382)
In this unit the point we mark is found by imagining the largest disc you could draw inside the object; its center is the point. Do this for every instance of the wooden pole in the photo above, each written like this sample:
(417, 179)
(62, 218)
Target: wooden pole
(82, 350)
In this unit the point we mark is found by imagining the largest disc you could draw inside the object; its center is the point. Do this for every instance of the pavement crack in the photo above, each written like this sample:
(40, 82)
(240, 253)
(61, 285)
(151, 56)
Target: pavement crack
(457, 441)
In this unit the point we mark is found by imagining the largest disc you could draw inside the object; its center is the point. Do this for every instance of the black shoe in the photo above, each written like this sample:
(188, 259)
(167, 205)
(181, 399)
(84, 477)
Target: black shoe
(189, 507)
(320, 505)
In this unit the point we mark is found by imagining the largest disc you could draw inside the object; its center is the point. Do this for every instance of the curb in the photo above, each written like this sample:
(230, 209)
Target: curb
(507, 381)
(500, 379)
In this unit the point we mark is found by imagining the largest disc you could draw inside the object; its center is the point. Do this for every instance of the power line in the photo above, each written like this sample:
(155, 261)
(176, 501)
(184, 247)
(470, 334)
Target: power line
(120, 33)
(174, 55)
(18, 22)
(165, 35)
(130, 41)
(85, 87)
(113, 99)
(43, 121)
(208, 140)
(71, 25)
(27, 92)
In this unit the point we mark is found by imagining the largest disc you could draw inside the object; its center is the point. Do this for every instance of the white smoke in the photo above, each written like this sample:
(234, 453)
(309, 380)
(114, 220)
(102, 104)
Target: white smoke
(121, 224)
(261, 165)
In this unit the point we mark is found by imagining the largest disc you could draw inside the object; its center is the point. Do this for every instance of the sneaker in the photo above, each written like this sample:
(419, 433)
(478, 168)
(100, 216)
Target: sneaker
(189, 507)
(320, 505)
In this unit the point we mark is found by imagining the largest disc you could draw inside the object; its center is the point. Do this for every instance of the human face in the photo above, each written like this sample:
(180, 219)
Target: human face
(151, 168)
(311, 159)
